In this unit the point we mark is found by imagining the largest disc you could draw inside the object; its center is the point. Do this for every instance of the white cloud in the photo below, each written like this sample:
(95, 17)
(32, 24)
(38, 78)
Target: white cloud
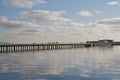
(41, 25)
(114, 3)
(67, 29)
(98, 12)
(110, 22)
(23, 3)
(85, 13)
(19, 27)
(58, 27)
(5, 23)
(20, 30)
(53, 18)
(106, 28)
(43, 15)
(55, 24)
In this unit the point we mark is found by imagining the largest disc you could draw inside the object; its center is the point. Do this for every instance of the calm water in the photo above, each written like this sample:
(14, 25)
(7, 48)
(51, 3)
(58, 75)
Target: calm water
(96, 63)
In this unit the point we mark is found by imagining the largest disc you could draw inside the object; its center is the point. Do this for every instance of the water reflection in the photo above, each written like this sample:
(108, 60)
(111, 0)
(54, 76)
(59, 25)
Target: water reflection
(97, 63)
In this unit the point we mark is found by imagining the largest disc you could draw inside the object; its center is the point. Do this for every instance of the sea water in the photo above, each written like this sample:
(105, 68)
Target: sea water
(94, 63)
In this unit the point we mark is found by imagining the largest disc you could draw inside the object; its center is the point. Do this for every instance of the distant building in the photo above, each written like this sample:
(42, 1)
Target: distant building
(105, 42)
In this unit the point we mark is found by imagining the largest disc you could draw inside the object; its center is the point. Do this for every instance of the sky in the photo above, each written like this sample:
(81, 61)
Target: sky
(59, 20)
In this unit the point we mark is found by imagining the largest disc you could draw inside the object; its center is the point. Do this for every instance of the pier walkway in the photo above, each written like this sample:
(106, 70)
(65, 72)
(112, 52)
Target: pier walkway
(36, 47)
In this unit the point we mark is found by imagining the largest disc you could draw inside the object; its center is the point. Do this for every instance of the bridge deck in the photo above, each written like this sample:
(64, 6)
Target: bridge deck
(35, 47)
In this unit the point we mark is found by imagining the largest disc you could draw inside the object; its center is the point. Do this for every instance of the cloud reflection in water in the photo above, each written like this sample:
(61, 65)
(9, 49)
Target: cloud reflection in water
(72, 64)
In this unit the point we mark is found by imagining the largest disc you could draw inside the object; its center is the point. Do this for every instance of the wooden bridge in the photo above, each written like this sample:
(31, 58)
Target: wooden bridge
(36, 47)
